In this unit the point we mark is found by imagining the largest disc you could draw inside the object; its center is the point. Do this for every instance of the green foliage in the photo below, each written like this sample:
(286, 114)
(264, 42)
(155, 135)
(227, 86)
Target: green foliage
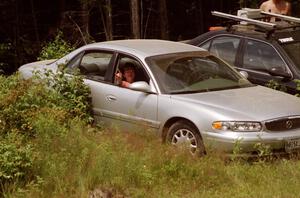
(297, 81)
(34, 113)
(280, 87)
(23, 101)
(4, 49)
(63, 153)
(55, 49)
(74, 95)
(76, 160)
(273, 84)
(82, 160)
(16, 159)
(263, 149)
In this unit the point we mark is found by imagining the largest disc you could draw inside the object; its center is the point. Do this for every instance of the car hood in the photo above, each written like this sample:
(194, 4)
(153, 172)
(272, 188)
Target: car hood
(26, 71)
(253, 103)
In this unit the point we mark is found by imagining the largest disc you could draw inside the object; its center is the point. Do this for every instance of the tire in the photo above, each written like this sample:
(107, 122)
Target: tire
(184, 134)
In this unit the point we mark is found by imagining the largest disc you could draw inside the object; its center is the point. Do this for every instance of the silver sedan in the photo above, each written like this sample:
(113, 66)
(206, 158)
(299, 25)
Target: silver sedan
(187, 95)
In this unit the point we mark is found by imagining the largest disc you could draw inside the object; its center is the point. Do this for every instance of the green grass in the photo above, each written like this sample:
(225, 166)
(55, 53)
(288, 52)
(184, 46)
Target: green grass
(82, 159)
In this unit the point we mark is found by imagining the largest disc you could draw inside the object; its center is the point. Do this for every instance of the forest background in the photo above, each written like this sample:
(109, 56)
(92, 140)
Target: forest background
(27, 25)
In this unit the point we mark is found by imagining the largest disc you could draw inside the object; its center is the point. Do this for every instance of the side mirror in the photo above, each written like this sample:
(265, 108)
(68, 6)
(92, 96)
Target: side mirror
(140, 86)
(244, 74)
(279, 71)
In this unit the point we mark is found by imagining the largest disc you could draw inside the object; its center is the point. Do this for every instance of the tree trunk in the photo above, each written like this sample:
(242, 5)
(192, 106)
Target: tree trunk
(135, 19)
(109, 28)
(17, 35)
(62, 8)
(164, 26)
(85, 19)
(200, 17)
(36, 30)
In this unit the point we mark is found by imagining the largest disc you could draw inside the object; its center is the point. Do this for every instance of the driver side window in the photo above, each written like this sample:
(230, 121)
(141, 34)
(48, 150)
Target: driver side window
(262, 56)
(129, 70)
(140, 72)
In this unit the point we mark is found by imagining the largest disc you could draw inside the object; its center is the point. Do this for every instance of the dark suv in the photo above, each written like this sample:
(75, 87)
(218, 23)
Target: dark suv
(264, 53)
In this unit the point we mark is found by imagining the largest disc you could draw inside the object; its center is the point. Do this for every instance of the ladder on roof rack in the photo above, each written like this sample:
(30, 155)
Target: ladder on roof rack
(283, 17)
(243, 19)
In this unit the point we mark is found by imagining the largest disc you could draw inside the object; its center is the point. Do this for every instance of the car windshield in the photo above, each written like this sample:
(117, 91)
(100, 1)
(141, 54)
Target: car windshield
(194, 72)
(293, 49)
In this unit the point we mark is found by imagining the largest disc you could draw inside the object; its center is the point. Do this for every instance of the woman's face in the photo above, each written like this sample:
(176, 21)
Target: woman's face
(129, 74)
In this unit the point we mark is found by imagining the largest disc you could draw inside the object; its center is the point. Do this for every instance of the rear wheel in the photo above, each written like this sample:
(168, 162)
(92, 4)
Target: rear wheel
(183, 134)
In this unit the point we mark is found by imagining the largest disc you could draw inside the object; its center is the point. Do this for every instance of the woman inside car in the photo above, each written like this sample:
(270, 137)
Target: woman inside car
(125, 75)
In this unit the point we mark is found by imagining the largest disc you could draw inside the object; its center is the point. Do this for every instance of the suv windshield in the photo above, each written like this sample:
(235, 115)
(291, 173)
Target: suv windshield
(293, 49)
(194, 72)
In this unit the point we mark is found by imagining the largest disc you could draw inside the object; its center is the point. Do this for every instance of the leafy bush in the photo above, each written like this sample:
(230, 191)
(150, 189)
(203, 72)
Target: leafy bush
(73, 94)
(34, 111)
(273, 84)
(55, 49)
(16, 159)
(297, 81)
(23, 101)
(4, 49)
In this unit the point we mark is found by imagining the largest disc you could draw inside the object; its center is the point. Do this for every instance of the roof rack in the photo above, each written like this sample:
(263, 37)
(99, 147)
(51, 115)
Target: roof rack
(254, 16)
(243, 19)
(283, 17)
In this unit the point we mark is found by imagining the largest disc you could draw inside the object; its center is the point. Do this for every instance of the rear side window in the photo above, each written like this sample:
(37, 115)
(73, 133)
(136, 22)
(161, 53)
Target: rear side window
(224, 47)
(92, 65)
(261, 56)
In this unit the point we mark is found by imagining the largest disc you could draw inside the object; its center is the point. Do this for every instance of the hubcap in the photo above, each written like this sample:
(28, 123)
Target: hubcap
(185, 138)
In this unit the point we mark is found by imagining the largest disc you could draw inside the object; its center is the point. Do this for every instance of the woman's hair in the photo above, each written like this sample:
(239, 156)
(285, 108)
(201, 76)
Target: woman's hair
(126, 65)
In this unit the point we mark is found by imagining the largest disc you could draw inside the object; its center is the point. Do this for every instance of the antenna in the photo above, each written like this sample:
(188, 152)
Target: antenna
(243, 19)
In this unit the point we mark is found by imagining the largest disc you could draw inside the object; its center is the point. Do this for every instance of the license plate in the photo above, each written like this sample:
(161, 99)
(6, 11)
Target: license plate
(291, 145)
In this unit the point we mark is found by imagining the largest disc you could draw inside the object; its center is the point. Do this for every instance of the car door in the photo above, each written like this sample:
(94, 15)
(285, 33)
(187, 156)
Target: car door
(261, 61)
(130, 107)
(225, 47)
(112, 104)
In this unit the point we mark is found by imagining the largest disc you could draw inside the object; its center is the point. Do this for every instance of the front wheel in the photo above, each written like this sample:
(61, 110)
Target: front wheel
(184, 134)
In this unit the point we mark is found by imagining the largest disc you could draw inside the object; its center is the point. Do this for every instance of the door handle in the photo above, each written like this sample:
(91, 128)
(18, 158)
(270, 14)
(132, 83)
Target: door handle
(111, 98)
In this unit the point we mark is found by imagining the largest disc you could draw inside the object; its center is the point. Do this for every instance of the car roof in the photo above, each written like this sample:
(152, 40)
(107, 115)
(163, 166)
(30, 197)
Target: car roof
(245, 30)
(145, 47)
(239, 32)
